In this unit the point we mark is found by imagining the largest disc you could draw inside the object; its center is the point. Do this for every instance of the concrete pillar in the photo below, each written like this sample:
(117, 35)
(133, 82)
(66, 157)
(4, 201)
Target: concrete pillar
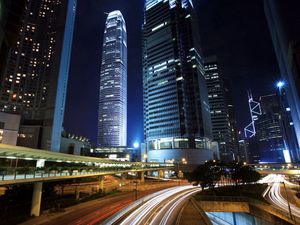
(36, 199)
(2, 190)
(161, 174)
(101, 184)
(123, 178)
(77, 194)
(141, 176)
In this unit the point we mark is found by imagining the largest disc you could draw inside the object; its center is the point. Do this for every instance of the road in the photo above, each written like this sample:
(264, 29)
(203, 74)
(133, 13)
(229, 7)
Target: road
(95, 211)
(274, 193)
(160, 208)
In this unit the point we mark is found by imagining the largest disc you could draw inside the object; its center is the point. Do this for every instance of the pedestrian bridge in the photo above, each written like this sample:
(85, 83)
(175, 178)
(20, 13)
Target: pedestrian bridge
(272, 168)
(26, 165)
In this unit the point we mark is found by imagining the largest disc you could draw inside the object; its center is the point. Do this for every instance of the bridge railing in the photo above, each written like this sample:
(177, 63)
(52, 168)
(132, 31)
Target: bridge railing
(7, 174)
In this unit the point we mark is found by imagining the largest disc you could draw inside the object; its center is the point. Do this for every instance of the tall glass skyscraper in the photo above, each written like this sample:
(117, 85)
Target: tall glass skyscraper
(177, 123)
(34, 80)
(112, 120)
(221, 109)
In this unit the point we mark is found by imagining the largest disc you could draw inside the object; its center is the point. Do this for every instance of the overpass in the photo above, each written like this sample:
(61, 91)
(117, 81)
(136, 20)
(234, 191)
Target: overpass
(277, 168)
(26, 165)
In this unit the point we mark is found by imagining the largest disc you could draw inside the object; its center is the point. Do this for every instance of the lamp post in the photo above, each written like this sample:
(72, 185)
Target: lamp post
(135, 191)
(180, 173)
(287, 198)
(145, 156)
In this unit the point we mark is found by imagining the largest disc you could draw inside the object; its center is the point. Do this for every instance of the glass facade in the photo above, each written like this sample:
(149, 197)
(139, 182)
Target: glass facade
(176, 110)
(269, 130)
(112, 120)
(221, 110)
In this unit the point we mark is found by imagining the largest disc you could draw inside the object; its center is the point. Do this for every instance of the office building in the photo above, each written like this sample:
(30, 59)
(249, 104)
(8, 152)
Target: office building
(284, 22)
(177, 124)
(74, 144)
(112, 117)
(275, 134)
(9, 128)
(221, 109)
(34, 81)
(269, 130)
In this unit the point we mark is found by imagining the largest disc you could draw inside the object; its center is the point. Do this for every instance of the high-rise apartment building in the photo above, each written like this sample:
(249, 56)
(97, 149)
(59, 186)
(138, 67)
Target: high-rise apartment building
(112, 117)
(35, 77)
(284, 22)
(10, 22)
(176, 111)
(221, 109)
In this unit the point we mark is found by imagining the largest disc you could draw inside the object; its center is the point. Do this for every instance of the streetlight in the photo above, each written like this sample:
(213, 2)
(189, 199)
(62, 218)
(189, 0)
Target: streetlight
(145, 157)
(280, 84)
(287, 198)
(136, 183)
(136, 145)
(180, 173)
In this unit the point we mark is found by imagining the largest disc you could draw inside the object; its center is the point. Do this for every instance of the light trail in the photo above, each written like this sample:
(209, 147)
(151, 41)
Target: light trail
(145, 210)
(158, 207)
(274, 193)
(172, 206)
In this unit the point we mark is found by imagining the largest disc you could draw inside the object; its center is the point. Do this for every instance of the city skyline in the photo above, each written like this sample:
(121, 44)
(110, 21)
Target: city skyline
(133, 112)
(134, 24)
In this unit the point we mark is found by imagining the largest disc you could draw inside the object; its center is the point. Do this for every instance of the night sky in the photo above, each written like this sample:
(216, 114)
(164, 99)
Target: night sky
(236, 31)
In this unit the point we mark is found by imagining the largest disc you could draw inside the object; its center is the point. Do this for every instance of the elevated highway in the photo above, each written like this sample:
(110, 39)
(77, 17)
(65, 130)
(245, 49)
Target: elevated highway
(25, 165)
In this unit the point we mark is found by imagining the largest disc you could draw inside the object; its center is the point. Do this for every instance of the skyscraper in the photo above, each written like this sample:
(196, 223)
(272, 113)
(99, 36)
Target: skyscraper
(112, 119)
(35, 77)
(275, 134)
(10, 23)
(176, 112)
(269, 131)
(283, 20)
(221, 109)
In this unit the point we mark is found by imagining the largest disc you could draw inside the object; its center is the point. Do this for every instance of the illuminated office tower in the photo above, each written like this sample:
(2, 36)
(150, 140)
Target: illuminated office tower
(221, 109)
(112, 120)
(177, 123)
(34, 81)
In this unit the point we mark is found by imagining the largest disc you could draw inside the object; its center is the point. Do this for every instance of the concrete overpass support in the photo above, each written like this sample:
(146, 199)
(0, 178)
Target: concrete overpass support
(123, 178)
(141, 176)
(101, 184)
(161, 174)
(36, 199)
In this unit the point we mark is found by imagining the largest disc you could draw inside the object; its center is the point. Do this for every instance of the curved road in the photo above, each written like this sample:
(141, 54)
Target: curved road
(274, 193)
(160, 208)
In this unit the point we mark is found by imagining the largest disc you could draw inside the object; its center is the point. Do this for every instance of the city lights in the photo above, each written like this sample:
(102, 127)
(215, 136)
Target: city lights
(136, 145)
(280, 84)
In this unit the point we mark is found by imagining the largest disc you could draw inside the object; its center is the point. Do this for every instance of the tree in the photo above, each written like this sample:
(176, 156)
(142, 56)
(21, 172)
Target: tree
(207, 174)
(244, 174)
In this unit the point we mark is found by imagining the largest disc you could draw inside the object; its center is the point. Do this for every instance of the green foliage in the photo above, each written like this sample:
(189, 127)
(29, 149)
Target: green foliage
(210, 173)
(207, 175)
(244, 174)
